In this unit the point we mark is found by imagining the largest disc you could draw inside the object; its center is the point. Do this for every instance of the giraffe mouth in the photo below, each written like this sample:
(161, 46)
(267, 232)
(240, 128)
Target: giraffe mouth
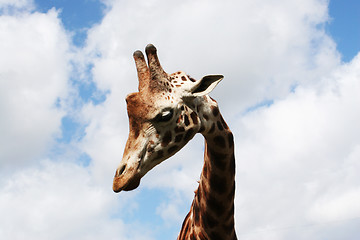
(126, 181)
(121, 185)
(130, 185)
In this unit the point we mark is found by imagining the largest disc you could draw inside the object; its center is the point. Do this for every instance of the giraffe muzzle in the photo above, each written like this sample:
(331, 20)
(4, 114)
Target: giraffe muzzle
(126, 179)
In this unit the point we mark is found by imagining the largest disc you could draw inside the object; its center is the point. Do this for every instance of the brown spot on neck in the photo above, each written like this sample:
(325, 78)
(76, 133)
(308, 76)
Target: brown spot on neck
(220, 141)
(215, 111)
(219, 125)
(186, 120)
(189, 134)
(194, 118)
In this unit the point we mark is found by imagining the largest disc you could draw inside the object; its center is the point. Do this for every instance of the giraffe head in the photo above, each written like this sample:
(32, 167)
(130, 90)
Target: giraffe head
(163, 116)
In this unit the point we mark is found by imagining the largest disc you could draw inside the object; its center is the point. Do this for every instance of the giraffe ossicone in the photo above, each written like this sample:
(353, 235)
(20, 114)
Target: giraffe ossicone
(164, 115)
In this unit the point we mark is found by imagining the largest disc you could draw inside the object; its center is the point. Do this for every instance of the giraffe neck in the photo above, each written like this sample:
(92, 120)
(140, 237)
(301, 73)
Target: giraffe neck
(212, 211)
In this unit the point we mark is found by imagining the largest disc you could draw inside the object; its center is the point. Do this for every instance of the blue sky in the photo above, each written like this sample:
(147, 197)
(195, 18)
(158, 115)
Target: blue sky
(345, 14)
(77, 16)
(290, 89)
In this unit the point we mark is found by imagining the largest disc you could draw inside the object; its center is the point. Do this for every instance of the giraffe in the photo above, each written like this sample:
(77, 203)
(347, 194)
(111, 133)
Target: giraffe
(164, 115)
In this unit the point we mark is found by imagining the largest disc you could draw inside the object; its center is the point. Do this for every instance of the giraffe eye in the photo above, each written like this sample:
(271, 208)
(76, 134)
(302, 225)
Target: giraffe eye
(165, 116)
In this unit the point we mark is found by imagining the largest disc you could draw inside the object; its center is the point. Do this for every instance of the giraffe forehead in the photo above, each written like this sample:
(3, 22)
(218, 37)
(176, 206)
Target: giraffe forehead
(146, 105)
(176, 86)
(140, 107)
(163, 93)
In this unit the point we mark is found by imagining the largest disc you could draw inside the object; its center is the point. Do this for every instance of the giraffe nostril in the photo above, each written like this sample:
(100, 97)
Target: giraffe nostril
(122, 169)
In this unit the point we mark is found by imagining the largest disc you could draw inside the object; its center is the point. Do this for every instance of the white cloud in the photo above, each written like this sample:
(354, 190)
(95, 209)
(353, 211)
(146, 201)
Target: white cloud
(61, 201)
(337, 207)
(262, 48)
(11, 6)
(297, 158)
(105, 137)
(34, 71)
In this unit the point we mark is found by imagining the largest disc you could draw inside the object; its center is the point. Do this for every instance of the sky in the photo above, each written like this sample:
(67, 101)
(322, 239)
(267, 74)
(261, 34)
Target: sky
(290, 96)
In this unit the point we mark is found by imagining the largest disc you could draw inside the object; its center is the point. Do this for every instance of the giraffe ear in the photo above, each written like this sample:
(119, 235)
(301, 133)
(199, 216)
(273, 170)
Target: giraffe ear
(206, 85)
